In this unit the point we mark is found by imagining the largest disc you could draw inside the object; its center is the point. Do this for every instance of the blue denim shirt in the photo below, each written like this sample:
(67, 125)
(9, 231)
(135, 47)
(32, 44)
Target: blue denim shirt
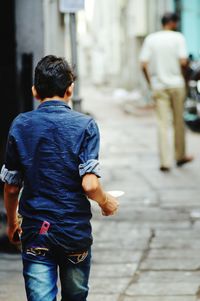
(48, 151)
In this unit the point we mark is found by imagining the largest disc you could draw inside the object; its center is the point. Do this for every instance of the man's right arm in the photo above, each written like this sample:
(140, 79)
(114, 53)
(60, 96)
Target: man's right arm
(89, 170)
(184, 69)
(92, 187)
(144, 67)
(145, 56)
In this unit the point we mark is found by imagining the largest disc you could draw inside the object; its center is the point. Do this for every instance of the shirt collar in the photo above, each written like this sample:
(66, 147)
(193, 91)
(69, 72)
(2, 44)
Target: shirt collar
(53, 103)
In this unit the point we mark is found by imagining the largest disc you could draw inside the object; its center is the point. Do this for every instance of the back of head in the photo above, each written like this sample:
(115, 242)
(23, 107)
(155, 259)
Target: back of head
(53, 76)
(168, 18)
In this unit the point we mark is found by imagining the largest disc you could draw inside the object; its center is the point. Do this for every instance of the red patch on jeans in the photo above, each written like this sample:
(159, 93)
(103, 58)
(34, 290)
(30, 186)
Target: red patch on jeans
(44, 228)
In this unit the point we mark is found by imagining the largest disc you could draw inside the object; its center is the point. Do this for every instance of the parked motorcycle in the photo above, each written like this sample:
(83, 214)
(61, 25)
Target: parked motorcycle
(192, 103)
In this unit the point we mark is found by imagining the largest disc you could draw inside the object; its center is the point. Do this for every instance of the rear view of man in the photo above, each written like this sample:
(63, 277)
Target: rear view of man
(163, 60)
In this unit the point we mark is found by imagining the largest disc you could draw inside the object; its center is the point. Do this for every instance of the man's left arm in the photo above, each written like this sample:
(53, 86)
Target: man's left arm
(11, 175)
(144, 67)
(11, 193)
(183, 57)
(144, 59)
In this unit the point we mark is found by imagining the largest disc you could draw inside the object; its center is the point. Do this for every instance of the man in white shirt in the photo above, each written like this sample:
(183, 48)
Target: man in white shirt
(163, 60)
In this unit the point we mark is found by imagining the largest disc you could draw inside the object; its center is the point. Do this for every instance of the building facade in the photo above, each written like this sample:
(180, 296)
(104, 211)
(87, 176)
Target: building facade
(29, 30)
(110, 35)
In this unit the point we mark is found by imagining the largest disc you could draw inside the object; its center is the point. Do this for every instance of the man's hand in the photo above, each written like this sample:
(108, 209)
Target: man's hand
(13, 231)
(110, 206)
(94, 191)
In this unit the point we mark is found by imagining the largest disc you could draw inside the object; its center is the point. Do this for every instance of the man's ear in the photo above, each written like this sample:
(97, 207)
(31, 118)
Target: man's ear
(70, 90)
(35, 94)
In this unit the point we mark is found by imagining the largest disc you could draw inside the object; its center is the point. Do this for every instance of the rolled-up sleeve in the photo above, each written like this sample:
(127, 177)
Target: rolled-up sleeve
(11, 172)
(10, 176)
(89, 154)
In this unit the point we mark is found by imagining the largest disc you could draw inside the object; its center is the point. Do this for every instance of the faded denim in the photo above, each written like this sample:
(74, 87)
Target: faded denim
(40, 270)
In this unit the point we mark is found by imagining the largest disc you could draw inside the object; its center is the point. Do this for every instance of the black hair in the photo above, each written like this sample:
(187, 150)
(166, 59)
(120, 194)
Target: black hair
(53, 76)
(169, 17)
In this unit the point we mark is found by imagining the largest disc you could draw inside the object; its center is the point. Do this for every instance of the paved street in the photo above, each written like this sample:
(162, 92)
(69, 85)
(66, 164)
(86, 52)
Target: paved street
(150, 251)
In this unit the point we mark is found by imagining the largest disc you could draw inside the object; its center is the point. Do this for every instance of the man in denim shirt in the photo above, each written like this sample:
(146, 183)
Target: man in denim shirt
(52, 152)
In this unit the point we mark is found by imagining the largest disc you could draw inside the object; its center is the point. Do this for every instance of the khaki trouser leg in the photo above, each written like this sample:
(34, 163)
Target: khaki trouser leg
(163, 107)
(177, 102)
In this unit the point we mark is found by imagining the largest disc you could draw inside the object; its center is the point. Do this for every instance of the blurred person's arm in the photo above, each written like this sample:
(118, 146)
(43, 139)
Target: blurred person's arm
(11, 193)
(93, 189)
(144, 67)
(145, 56)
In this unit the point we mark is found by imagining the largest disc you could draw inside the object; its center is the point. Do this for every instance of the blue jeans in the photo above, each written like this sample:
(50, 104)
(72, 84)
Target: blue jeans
(41, 262)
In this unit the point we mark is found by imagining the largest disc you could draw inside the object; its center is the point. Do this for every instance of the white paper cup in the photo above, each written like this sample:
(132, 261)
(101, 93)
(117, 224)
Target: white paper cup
(116, 193)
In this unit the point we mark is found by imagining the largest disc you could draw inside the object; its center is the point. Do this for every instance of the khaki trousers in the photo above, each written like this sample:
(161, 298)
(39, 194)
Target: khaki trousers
(170, 100)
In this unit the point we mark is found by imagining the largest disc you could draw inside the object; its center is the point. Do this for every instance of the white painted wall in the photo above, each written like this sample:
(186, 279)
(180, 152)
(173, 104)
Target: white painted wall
(54, 28)
(111, 33)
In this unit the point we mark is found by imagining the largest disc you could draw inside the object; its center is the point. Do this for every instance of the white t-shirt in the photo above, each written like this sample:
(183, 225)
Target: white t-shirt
(163, 50)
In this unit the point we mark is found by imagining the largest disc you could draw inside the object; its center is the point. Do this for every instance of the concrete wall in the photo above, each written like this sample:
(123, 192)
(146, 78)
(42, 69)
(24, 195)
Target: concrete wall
(54, 28)
(99, 42)
(29, 38)
(29, 29)
(39, 30)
